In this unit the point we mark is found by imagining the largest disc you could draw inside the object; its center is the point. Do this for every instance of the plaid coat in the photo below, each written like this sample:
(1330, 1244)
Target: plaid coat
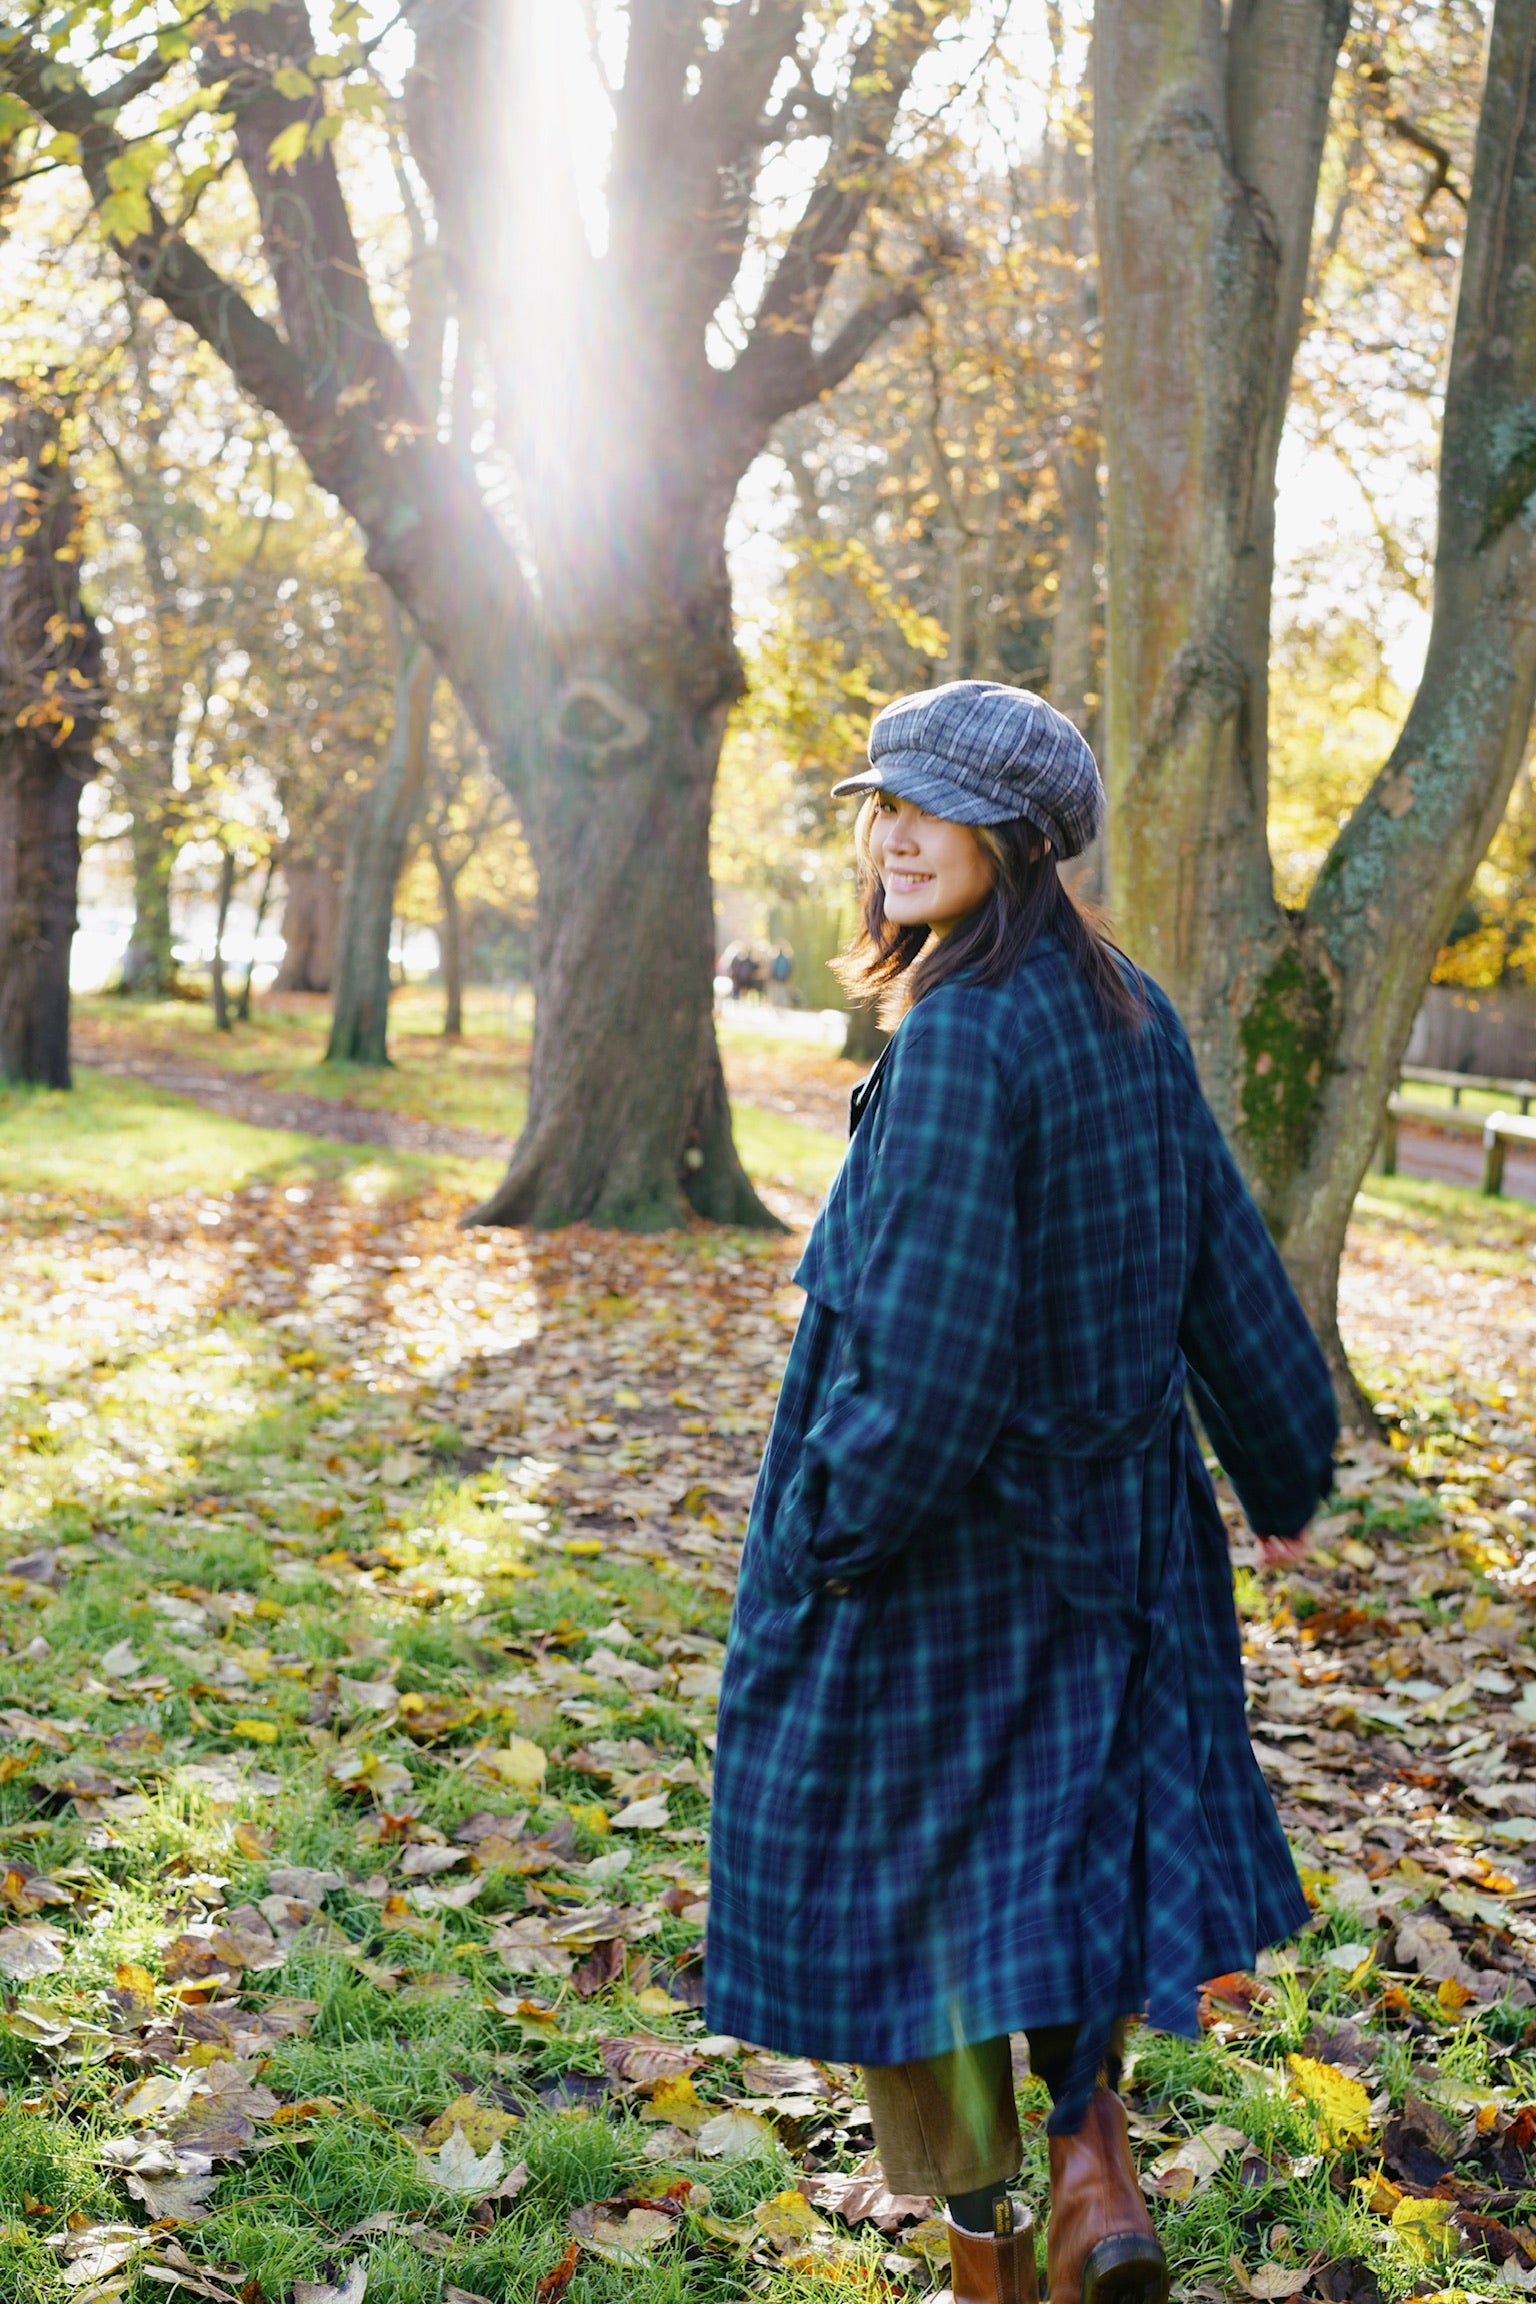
(982, 1760)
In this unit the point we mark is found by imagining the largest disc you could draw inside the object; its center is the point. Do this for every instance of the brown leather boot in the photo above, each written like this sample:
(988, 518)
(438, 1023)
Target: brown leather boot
(1100, 2245)
(988, 2269)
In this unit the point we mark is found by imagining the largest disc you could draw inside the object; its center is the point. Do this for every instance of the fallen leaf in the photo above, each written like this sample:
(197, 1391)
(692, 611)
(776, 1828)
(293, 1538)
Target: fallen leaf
(177, 2199)
(522, 1765)
(1342, 2105)
(555, 2282)
(1270, 2281)
(643, 1815)
(31, 1948)
(1424, 2227)
(457, 2167)
(120, 1661)
(481, 2125)
(736, 2135)
(621, 2239)
(351, 2289)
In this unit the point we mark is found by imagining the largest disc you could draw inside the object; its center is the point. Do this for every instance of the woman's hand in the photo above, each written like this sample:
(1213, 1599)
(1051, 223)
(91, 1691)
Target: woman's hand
(1283, 1551)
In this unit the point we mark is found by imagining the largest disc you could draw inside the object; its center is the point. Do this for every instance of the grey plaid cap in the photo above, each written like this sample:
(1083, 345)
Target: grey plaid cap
(976, 752)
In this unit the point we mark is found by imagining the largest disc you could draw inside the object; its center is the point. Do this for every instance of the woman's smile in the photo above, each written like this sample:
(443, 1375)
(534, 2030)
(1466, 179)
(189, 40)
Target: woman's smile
(933, 872)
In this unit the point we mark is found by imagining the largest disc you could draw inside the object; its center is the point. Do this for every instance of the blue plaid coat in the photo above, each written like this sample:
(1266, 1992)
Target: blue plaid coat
(982, 1759)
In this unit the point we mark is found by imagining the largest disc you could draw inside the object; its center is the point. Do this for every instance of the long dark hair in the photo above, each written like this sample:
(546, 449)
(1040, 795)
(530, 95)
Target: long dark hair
(893, 967)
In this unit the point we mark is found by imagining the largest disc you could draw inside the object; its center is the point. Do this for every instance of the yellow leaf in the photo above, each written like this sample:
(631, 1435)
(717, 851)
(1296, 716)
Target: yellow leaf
(584, 1548)
(626, 1399)
(590, 1815)
(483, 2124)
(674, 2100)
(1452, 1995)
(522, 1764)
(653, 2001)
(255, 1731)
(286, 149)
(1342, 2105)
(787, 2219)
(289, 81)
(1378, 2192)
(1423, 2226)
(124, 215)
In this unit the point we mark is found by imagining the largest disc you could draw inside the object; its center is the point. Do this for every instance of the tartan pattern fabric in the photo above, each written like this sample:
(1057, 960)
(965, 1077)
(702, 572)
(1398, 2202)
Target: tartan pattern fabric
(982, 1760)
(977, 752)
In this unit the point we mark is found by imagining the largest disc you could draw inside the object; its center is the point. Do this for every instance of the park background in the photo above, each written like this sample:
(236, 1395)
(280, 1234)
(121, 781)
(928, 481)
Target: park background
(468, 473)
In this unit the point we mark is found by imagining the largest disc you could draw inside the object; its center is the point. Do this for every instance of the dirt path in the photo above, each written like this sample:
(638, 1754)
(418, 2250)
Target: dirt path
(334, 1117)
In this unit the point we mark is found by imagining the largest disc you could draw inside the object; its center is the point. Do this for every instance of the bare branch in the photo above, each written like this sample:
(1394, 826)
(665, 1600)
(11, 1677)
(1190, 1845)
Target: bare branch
(861, 330)
(778, 370)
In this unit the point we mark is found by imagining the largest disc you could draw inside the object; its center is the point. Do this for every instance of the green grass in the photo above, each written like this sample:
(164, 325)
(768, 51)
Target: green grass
(115, 1145)
(479, 1082)
(233, 1456)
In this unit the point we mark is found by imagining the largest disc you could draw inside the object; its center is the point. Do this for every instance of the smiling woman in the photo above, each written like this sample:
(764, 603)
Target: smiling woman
(985, 1577)
(933, 873)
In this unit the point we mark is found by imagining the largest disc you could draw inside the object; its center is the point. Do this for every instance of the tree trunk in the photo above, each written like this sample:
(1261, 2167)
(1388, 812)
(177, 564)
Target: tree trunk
(50, 702)
(1208, 146)
(1385, 899)
(381, 830)
(149, 963)
(628, 1122)
(311, 914)
(221, 1016)
(450, 930)
(243, 1004)
(864, 1038)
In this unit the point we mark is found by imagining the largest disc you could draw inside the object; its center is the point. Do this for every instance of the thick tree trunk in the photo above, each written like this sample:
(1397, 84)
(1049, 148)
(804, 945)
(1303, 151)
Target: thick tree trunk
(628, 1122)
(450, 934)
(50, 703)
(1208, 145)
(1384, 901)
(311, 917)
(149, 963)
(381, 831)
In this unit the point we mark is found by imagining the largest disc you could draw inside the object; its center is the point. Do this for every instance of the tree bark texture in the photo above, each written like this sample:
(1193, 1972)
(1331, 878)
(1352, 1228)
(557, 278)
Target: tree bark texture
(601, 690)
(1209, 142)
(50, 703)
(380, 835)
(311, 919)
(450, 934)
(222, 1019)
(149, 962)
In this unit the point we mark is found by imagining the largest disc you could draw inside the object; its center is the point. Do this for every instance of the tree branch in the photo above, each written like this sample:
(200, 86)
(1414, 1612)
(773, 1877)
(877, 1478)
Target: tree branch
(357, 426)
(863, 328)
(778, 370)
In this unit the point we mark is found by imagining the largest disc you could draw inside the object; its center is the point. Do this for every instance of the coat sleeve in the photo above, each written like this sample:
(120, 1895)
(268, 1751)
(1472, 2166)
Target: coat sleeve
(926, 1366)
(1258, 1374)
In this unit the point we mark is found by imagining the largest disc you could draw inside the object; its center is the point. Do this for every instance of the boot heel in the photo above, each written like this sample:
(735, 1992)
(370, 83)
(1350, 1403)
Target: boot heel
(1126, 2268)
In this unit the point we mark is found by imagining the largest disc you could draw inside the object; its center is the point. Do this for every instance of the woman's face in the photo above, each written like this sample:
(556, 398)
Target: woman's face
(934, 873)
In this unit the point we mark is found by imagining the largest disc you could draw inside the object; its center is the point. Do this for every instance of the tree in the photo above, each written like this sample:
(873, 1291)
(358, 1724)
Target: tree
(1209, 134)
(463, 809)
(382, 823)
(601, 690)
(49, 705)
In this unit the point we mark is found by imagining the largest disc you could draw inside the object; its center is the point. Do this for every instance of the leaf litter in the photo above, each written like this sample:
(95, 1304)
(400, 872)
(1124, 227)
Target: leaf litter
(363, 1632)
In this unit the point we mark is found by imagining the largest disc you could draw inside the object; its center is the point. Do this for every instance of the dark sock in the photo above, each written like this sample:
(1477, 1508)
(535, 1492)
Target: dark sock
(977, 2211)
(1050, 2052)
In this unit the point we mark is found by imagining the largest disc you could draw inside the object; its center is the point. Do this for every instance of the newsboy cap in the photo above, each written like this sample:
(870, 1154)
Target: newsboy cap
(976, 752)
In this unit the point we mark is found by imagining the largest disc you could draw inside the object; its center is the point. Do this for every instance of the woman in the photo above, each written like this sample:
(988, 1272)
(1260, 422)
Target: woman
(982, 1762)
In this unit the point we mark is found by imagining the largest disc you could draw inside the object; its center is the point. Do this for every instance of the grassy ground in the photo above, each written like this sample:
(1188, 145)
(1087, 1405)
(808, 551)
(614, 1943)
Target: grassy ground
(363, 1611)
(480, 1081)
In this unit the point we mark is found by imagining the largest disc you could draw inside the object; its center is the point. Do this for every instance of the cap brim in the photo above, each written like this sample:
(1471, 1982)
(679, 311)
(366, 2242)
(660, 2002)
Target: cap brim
(919, 777)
